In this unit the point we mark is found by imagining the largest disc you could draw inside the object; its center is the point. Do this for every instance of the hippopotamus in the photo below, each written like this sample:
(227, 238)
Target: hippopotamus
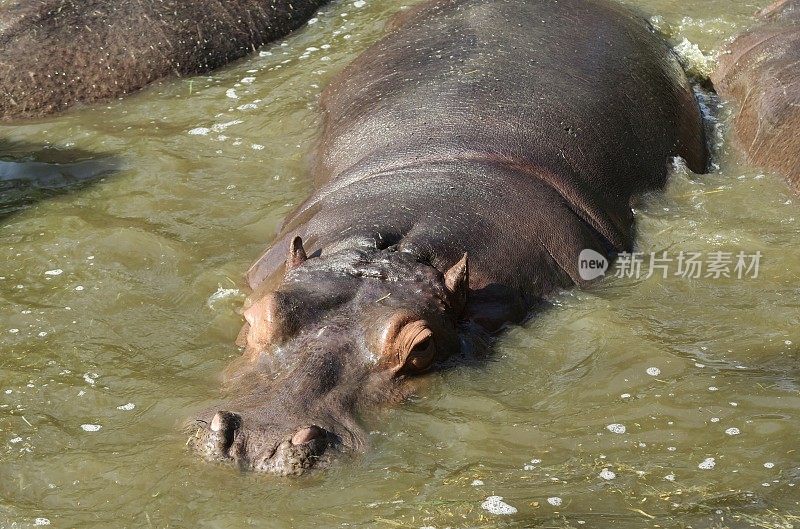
(57, 53)
(759, 73)
(466, 160)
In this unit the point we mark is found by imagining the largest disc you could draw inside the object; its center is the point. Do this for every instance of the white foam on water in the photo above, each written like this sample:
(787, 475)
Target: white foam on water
(127, 407)
(555, 501)
(221, 127)
(733, 431)
(653, 371)
(248, 80)
(231, 93)
(616, 428)
(607, 474)
(477, 483)
(496, 505)
(696, 63)
(15, 440)
(91, 427)
(359, 3)
(54, 272)
(220, 294)
(670, 477)
(707, 464)
(41, 521)
(769, 465)
(200, 131)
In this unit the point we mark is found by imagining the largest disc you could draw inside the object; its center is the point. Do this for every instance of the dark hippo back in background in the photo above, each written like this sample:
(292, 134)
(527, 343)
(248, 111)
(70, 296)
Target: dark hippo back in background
(56, 53)
(759, 73)
(467, 159)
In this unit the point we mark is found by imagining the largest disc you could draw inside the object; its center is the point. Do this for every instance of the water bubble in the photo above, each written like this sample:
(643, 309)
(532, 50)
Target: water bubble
(555, 501)
(670, 477)
(714, 419)
(616, 428)
(707, 464)
(769, 465)
(625, 396)
(713, 388)
(496, 505)
(359, 3)
(199, 131)
(15, 440)
(79, 288)
(54, 272)
(477, 483)
(607, 474)
(653, 371)
(41, 521)
(127, 407)
(733, 431)
(91, 427)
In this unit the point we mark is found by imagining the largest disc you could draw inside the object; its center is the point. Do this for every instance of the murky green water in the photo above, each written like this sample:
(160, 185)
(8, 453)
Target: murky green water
(130, 336)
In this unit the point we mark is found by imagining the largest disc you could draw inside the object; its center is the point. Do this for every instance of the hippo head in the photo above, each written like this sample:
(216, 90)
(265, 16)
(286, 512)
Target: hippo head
(342, 332)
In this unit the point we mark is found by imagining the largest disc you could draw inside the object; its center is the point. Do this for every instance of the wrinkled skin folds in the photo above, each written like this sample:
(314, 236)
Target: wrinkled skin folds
(452, 195)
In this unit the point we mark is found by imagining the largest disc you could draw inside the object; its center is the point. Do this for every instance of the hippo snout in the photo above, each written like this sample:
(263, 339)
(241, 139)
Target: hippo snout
(261, 448)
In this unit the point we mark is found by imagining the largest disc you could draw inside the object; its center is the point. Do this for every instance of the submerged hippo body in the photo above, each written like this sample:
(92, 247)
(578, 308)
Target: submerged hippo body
(56, 53)
(760, 74)
(467, 159)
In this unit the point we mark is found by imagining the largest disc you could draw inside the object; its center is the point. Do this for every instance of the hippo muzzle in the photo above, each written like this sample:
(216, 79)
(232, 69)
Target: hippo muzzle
(226, 439)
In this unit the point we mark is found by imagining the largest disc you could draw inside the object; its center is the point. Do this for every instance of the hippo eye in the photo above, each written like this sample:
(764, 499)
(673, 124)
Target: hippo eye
(421, 353)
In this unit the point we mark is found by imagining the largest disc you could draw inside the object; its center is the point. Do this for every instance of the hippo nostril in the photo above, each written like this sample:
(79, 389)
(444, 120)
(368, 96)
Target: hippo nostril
(223, 429)
(306, 435)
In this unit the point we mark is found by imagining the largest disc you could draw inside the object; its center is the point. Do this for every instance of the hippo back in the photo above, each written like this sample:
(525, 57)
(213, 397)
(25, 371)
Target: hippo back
(55, 53)
(760, 73)
(517, 131)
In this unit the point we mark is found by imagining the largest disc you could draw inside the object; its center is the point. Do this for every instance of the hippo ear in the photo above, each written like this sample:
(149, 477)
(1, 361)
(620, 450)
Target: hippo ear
(457, 280)
(297, 254)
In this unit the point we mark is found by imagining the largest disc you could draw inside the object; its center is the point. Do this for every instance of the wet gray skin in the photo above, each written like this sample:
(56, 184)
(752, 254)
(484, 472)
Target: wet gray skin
(342, 333)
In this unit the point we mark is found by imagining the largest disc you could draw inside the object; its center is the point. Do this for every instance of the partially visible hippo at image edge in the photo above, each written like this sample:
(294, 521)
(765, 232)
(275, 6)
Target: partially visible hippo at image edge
(57, 53)
(466, 161)
(760, 73)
